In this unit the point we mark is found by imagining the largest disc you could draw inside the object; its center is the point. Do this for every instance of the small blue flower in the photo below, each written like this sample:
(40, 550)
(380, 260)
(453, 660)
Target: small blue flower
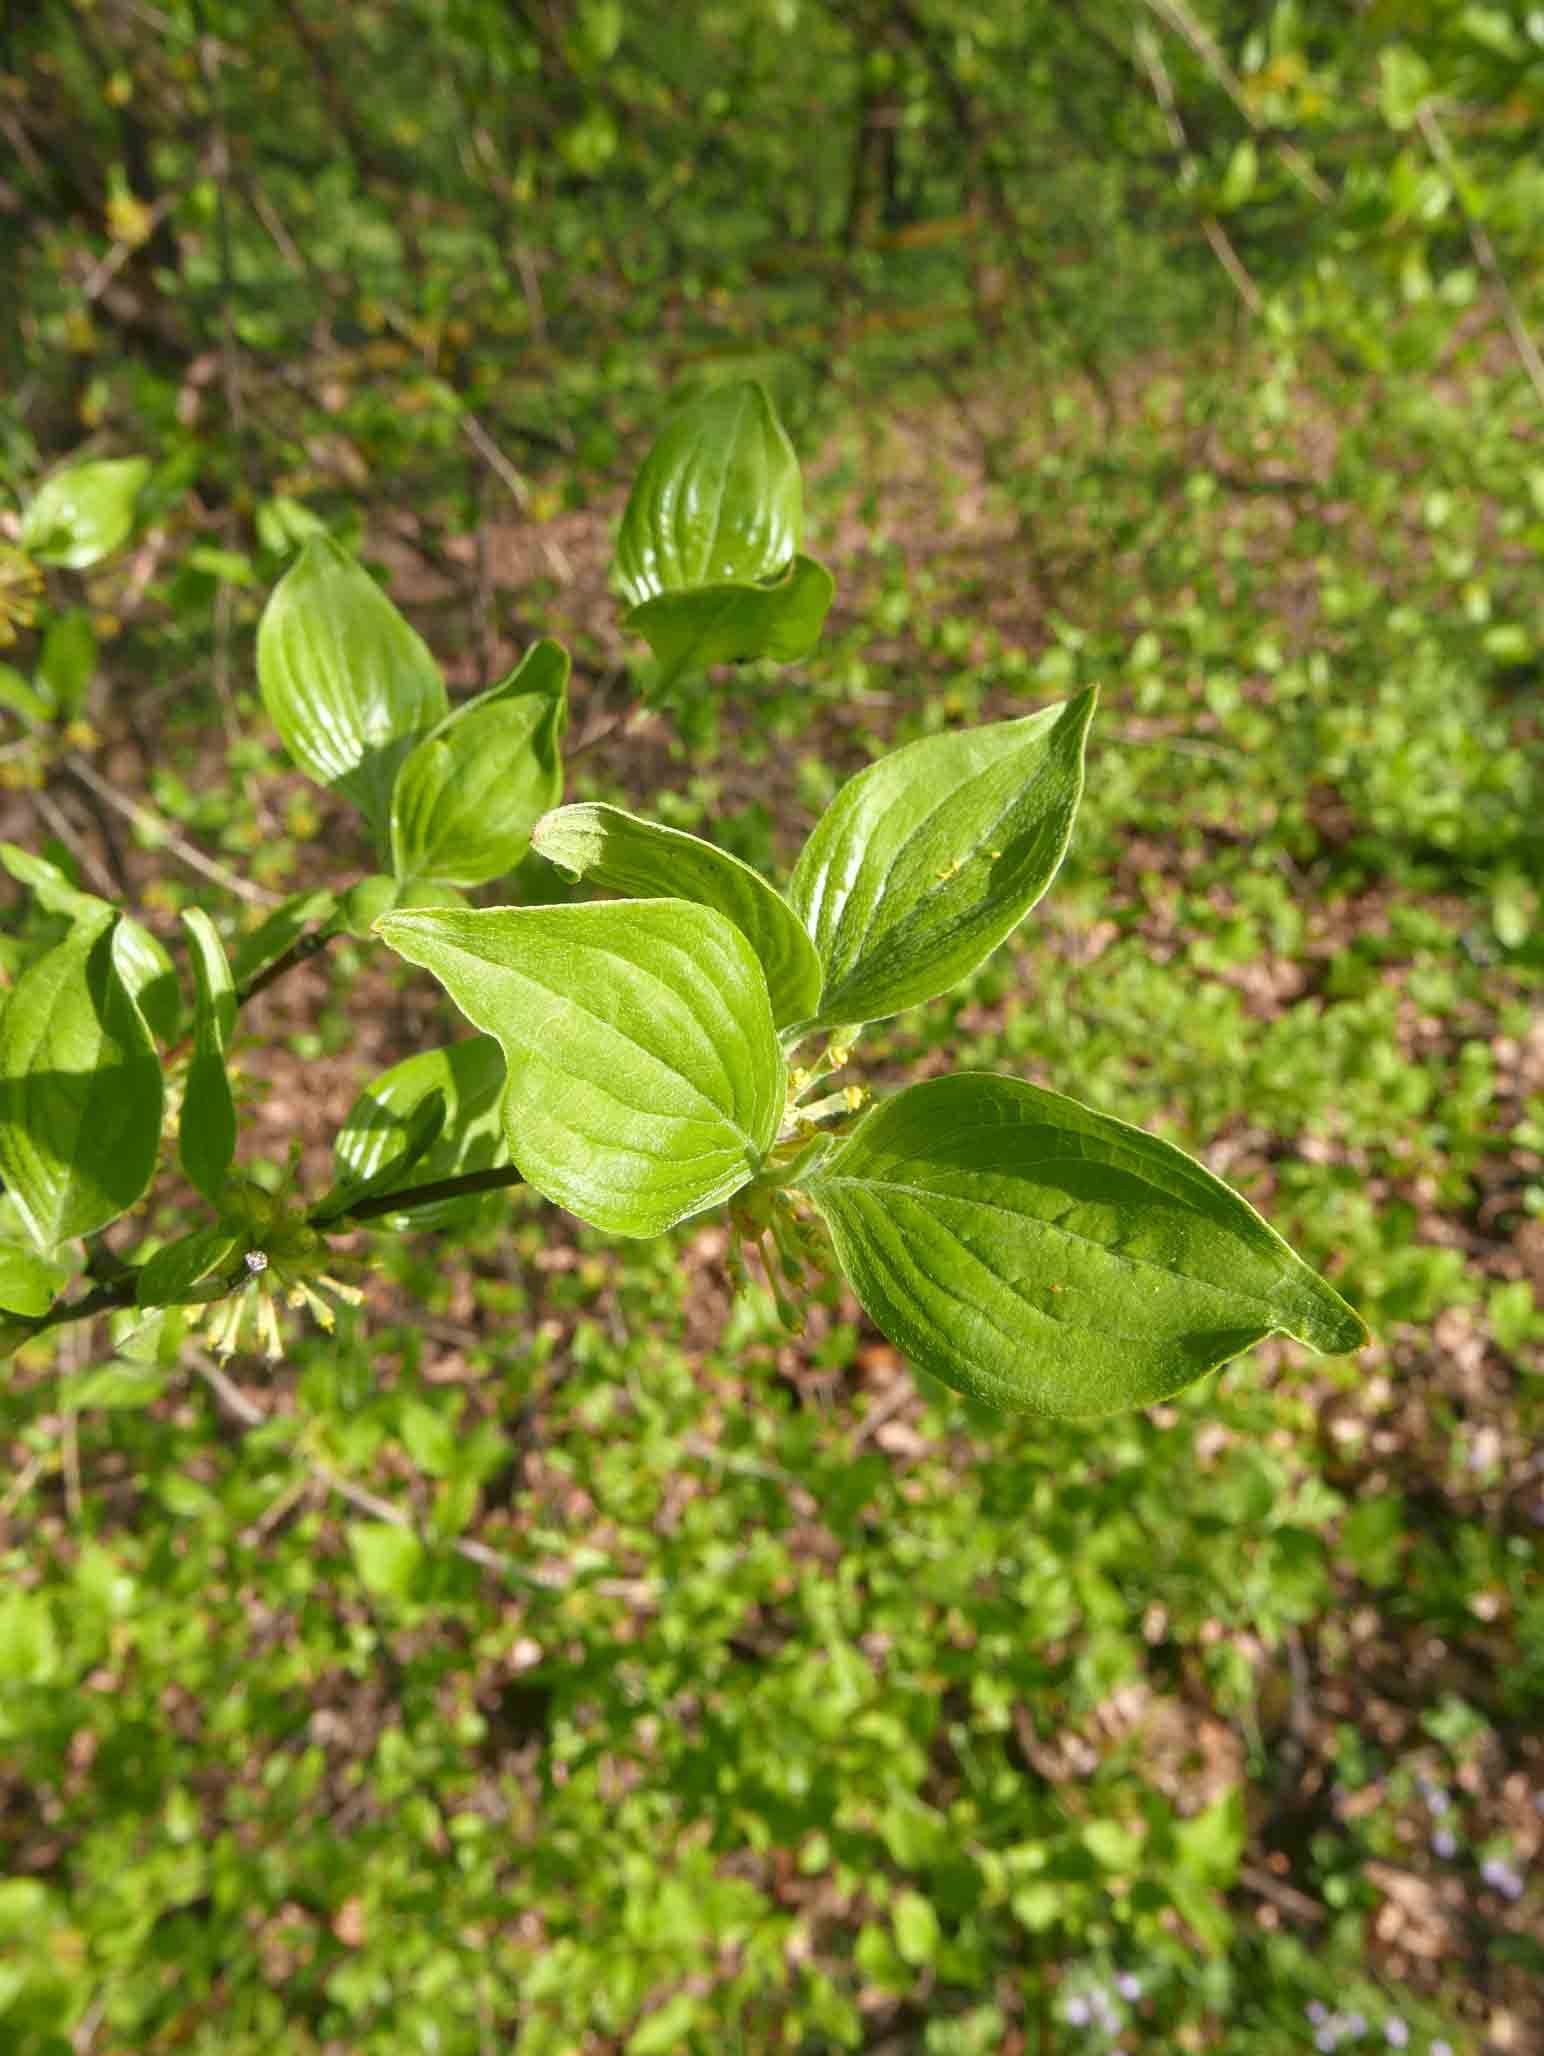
(1501, 1877)
(1076, 2012)
(1444, 1843)
(1326, 2037)
(1440, 2049)
(1396, 2033)
(1317, 2012)
(1129, 1985)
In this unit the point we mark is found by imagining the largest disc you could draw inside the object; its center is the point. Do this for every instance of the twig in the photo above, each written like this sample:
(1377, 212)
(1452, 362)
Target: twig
(1484, 250)
(1213, 230)
(1178, 19)
(379, 1203)
(160, 834)
(300, 951)
(230, 1395)
(82, 852)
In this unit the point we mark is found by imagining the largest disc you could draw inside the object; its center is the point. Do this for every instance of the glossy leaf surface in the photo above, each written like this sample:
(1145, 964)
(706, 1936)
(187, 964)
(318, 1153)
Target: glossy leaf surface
(1048, 1259)
(347, 683)
(645, 1080)
(922, 865)
(731, 623)
(469, 1078)
(717, 498)
(645, 860)
(467, 797)
(206, 1135)
(82, 514)
(80, 1089)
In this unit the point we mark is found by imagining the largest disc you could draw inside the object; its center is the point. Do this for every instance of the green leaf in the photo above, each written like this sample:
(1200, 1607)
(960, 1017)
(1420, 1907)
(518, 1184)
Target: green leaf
(82, 514)
(115, 1387)
(729, 623)
(142, 960)
(924, 862)
(717, 498)
(469, 1077)
(284, 524)
(172, 1273)
(148, 972)
(206, 1135)
(19, 698)
(347, 683)
(644, 860)
(917, 1933)
(67, 659)
(466, 799)
(80, 1089)
(645, 1080)
(664, 2032)
(29, 1284)
(388, 1558)
(416, 1137)
(1048, 1259)
(280, 931)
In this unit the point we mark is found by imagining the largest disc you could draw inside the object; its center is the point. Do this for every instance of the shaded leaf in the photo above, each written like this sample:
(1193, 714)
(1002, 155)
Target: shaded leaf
(728, 623)
(80, 1089)
(469, 1077)
(467, 797)
(644, 860)
(206, 1135)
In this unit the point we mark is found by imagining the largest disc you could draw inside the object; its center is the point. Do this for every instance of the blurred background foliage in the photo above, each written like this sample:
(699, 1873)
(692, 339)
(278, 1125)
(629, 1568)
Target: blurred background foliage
(559, 1660)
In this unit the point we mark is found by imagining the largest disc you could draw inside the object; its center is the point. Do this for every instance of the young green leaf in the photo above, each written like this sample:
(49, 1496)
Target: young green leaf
(347, 683)
(729, 623)
(82, 514)
(718, 497)
(469, 1077)
(206, 1135)
(644, 860)
(1048, 1259)
(466, 799)
(80, 1089)
(645, 1080)
(922, 865)
(28, 1283)
(172, 1273)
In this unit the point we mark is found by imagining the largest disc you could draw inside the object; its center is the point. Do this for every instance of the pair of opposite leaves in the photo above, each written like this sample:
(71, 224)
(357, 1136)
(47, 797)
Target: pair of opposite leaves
(1020, 1247)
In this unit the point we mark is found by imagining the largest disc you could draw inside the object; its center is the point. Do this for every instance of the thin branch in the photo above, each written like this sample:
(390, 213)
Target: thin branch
(1484, 250)
(1178, 19)
(161, 835)
(465, 1186)
(300, 951)
(1216, 235)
